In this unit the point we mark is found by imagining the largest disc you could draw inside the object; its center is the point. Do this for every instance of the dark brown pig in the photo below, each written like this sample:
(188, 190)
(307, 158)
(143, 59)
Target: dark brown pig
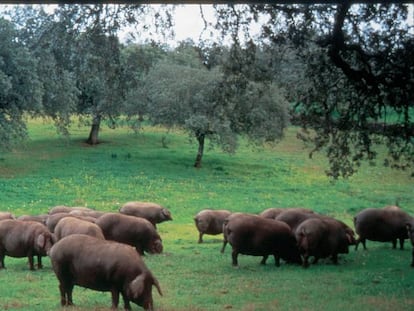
(226, 221)
(103, 266)
(322, 238)
(295, 218)
(210, 222)
(258, 236)
(20, 238)
(153, 212)
(135, 231)
(386, 224)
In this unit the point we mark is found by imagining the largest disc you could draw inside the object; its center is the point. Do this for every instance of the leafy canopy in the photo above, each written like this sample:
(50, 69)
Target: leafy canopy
(358, 83)
(20, 88)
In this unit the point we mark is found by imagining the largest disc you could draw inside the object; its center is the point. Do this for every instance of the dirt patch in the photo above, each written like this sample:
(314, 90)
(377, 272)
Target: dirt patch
(391, 304)
(12, 305)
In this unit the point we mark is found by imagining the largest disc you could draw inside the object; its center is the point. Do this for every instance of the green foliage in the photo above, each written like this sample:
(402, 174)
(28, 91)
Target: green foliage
(20, 89)
(127, 166)
(181, 92)
(77, 52)
(136, 61)
(349, 66)
(354, 66)
(265, 110)
(204, 92)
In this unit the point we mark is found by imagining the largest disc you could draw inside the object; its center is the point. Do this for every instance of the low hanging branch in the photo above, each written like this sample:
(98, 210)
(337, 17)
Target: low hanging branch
(364, 78)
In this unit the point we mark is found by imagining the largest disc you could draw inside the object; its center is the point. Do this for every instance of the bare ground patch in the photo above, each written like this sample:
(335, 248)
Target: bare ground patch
(386, 303)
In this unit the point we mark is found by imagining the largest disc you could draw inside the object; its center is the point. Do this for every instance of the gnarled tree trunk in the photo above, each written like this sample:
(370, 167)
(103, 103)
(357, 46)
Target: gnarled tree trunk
(93, 134)
(200, 138)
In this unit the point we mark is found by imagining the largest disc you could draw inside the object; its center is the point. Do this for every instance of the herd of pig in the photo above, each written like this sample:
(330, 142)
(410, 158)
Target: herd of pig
(96, 250)
(102, 251)
(296, 234)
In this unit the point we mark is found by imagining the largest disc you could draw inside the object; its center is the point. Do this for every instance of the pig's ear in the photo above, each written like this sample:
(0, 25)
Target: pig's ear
(166, 213)
(137, 286)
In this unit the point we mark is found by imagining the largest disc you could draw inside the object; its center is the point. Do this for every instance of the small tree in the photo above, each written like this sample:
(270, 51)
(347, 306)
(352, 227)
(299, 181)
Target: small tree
(181, 95)
(99, 73)
(97, 61)
(209, 105)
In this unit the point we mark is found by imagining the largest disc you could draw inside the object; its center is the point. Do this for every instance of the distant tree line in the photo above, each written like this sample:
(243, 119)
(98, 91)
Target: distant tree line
(348, 84)
(80, 68)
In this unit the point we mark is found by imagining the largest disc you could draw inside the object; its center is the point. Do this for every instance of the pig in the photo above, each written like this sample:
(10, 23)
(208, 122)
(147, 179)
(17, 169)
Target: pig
(71, 225)
(273, 212)
(151, 211)
(53, 219)
(20, 238)
(254, 235)
(6, 215)
(39, 218)
(135, 231)
(210, 221)
(322, 238)
(294, 218)
(67, 209)
(103, 266)
(82, 213)
(387, 224)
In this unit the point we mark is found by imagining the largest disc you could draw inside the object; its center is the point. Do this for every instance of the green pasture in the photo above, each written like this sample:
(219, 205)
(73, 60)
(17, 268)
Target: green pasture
(49, 170)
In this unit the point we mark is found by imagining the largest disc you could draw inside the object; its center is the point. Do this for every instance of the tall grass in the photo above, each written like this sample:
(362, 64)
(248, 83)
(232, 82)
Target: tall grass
(51, 171)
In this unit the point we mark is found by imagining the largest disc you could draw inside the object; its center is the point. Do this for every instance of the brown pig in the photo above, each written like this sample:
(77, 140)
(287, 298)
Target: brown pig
(135, 231)
(321, 238)
(6, 215)
(153, 212)
(20, 238)
(386, 224)
(103, 266)
(71, 225)
(254, 235)
(210, 221)
(273, 212)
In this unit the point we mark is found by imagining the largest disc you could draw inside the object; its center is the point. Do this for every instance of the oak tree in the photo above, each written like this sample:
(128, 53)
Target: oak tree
(357, 91)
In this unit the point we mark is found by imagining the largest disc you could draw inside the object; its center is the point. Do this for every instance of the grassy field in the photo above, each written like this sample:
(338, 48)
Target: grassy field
(49, 171)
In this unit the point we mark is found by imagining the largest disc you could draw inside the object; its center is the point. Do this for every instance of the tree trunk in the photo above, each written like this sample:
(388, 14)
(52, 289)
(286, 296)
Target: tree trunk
(200, 139)
(93, 134)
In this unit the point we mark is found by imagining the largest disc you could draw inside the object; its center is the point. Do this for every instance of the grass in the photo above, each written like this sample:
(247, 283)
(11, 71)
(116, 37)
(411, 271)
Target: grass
(50, 171)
